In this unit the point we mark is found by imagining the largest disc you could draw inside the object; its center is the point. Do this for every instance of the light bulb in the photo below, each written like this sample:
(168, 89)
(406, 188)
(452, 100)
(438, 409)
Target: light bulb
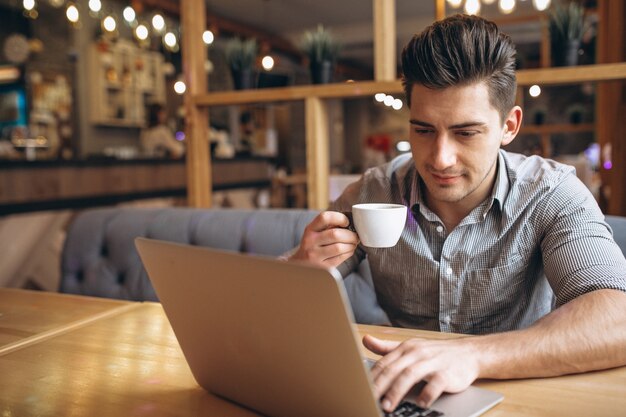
(541, 5)
(170, 39)
(506, 6)
(380, 97)
(455, 3)
(129, 14)
(403, 146)
(109, 24)
(208, 37)
(472, 6)
(180, 87)
(534, 91)
(141, 32)
(95, 5)
(29, 4)
(158, 23)
(267, 62)
(388, 101)
(397, 104)
(72, 13)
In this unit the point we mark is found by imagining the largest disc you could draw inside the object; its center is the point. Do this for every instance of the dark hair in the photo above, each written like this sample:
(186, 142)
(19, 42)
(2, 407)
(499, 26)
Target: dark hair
(462, 50)
(153, 114)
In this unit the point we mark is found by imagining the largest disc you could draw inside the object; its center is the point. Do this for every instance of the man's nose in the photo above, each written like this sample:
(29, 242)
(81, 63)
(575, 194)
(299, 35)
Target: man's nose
(444, 152)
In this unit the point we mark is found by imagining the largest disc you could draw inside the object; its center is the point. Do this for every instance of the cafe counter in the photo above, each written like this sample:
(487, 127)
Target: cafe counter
(46, 185)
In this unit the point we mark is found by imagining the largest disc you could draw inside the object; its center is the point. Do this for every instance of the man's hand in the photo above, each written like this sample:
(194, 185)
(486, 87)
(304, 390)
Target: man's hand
(446, 366)
(326, 242)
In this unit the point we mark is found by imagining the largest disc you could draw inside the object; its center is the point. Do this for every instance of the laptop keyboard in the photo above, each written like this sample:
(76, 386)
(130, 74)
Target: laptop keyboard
(408, 409)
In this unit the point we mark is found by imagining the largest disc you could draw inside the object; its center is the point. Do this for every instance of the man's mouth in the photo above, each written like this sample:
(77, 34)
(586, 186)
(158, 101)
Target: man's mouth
(446, 179)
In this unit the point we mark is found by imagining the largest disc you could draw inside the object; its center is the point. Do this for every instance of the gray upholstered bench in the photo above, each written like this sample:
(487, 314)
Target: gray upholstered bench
(99, 257)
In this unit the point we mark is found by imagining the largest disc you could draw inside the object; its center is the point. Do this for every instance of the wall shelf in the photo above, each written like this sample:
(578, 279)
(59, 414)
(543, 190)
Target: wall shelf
(314, 97)
(553, 129)
(543, 76)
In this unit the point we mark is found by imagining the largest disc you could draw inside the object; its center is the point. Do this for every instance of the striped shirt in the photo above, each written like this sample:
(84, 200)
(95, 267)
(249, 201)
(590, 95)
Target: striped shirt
(538, 241)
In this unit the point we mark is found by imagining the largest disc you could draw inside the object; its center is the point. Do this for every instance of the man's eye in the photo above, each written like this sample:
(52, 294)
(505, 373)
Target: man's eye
(422, 131)
(466, 133)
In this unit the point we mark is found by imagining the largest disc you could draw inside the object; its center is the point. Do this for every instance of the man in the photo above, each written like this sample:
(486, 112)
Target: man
(497, 244)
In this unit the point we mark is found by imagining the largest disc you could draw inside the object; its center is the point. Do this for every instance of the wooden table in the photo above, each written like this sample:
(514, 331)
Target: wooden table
(128, 363)
(28, 316)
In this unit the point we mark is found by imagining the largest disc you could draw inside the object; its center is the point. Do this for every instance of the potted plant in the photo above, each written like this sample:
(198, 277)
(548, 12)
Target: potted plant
(322, 49)
(568, 24)
(241, 56)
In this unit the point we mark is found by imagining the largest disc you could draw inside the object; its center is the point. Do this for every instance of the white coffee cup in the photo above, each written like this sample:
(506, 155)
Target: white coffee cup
(379, 225)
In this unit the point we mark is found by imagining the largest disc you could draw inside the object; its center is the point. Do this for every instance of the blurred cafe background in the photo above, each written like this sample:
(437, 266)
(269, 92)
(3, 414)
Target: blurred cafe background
(99, 101)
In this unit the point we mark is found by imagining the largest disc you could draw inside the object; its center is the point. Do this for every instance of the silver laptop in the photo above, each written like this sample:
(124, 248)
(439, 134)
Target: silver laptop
(276, 337)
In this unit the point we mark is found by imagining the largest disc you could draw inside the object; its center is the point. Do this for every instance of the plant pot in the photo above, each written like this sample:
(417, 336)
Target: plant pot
(322, 72)
(566, 54)
(244, 79)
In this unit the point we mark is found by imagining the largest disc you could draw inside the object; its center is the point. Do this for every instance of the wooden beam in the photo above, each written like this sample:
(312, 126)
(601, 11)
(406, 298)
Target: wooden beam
(610, 106)
(547, 76)
(336, 90)
(199, 183)
(572, 75)
(384, 40)
(440, 9)
(317, 159)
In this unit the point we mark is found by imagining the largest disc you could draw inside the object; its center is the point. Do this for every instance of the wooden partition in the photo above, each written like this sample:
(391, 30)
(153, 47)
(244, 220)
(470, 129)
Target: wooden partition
(317, 117)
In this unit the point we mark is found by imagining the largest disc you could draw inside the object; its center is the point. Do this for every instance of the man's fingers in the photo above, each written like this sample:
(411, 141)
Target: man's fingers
(379, 346)
(398, 378)
(431, 391)
(328, 219)
(335, 261)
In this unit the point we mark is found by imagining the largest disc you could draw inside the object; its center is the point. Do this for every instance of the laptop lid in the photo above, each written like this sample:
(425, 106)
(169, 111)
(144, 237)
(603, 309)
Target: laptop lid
(274, 336)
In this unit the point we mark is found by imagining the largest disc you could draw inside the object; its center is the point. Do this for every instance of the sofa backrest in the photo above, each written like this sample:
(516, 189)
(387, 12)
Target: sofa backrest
(618, 224)
(99, 257)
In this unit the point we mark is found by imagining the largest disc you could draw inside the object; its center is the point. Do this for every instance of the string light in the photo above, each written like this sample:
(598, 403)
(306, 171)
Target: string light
(129, 14)
(397, 104)
(109, 24)
(472, 6)
(170, 39)
(267, 63)
(403, 146)
(534, 91)
(158, 23)
(541, 5)
(141, 32)
(29, 4)
(380, 97)
(208, 37)
(455, 3)
(506, 6)
(488, 2)
(95, 5)
(180, 87)
(72, 13)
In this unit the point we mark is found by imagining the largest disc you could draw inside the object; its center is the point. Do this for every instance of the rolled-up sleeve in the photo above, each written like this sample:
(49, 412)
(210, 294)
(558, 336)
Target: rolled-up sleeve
(578, 249)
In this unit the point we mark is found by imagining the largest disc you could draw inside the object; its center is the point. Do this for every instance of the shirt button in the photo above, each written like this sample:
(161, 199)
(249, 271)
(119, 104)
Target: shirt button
(449, 271)
(439, 229)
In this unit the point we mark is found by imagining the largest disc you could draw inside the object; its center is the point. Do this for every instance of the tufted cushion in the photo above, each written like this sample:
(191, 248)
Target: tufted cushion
(99, 257)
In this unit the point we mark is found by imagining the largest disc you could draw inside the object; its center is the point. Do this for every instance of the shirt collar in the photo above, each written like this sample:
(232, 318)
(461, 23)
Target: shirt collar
(414, 187)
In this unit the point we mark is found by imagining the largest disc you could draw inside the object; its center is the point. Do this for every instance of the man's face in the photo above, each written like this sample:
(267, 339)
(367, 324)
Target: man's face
(455, 137)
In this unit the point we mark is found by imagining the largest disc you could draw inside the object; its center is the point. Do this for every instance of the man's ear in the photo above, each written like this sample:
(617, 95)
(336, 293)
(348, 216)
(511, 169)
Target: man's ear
(512, 125)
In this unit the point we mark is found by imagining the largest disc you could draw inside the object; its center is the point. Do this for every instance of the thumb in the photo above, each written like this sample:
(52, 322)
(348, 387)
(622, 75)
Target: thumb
(379, 346)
